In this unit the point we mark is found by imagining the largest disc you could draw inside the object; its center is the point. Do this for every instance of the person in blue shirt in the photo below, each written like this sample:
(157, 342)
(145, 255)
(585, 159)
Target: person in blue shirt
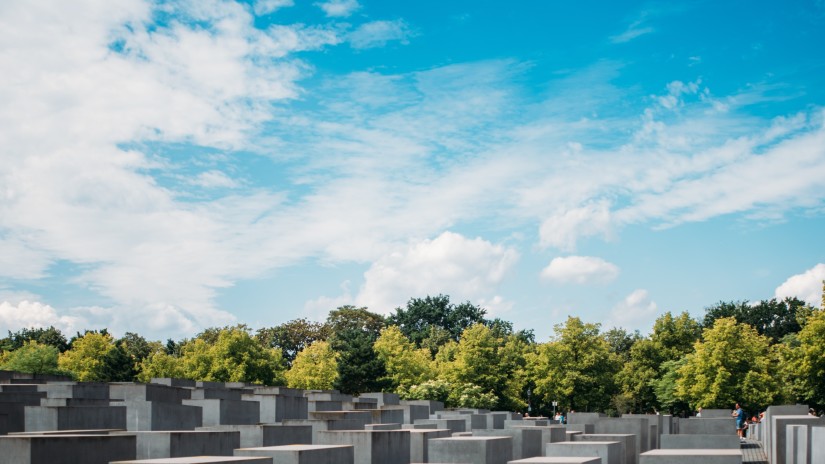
(739, 415)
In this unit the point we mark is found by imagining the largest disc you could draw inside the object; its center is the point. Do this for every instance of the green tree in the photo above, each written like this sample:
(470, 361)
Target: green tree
(808, 360)
(87, 357)
(406, 365)
(576, 368)
(314, 368)
(293, 336)
(48, 336)
(32, 357)
(159, 364)
(772, 318)
(732, 363)
(360, 369)
(351, 318)
(234, 356)
(621, 341)
(476, 361)
(435, 316)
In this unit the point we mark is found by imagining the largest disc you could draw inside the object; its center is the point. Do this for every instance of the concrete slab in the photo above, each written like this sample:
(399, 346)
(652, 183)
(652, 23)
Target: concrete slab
(797, 450)
(549, 434)
(627, 441)
(74, 418)
(302, 454)
(700, 441)
(420, 445)
(454, 425)
(201, 460)
(225, 412)
(67, 449)
(705, 426)
(558, 460)
(696, 456)
(778, 447)
(477, 450)
(181, 443)
(527, 441)
(255, 436)
(160, 415)
(610, 452)
(624, 425)
(817, 444)
(372, 447)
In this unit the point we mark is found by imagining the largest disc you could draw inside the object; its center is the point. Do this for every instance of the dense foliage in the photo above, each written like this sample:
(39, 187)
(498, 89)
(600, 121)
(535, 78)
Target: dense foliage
(754, 354)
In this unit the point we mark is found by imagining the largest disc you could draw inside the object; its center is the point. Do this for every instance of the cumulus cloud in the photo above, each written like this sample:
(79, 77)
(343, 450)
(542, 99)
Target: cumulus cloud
(265, 7)
(580, 270)
(806, 286)
(636, 312)
(26, 314)
(378, 33)
(464, 268)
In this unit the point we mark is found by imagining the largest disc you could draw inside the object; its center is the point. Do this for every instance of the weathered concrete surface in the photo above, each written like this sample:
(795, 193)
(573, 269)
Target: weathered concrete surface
(549, 434)
(158, 415)
(625, 425)
(699, 441)
(527, 441)
(372, 447)
(303, 454)
(627, 441)
(558, 460)
(610, 452)
(181, 443)
(797, 450)
(778, 447)
(476, 450)
(454, 425)
(66, 449)
(202, 460)
(676, 456)
(817, 444)
(704, 426)
(419, 442)
(74, 418)
(226, 412)
(259, 435)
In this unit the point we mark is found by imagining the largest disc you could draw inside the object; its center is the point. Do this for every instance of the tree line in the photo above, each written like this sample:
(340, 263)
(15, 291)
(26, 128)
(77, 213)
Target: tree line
(756, 354)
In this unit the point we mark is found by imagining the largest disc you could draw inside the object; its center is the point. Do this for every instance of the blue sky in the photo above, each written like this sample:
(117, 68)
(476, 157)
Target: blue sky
(170, 166)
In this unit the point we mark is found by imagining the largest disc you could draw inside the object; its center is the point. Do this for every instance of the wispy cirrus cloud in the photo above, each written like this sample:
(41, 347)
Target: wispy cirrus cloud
(580, 270)
(339, 8)
(379, 33)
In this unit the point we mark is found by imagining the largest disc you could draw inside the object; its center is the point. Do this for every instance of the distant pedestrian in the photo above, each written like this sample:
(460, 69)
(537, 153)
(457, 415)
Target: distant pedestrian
(699, 412)
(812, 412)
(740, 417)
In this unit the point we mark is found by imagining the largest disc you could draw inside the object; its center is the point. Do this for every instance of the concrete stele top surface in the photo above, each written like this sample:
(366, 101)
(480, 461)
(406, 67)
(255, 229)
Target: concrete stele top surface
(583, 443)
(558, 460)
(472, 438)
(693, 452)
(293, 447)
(199, 460)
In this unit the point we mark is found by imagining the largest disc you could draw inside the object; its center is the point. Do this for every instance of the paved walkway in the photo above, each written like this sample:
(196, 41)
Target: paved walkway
(752, 452)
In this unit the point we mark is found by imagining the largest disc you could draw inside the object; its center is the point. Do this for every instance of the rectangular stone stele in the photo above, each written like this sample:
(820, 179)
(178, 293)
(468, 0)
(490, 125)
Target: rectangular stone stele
(527, 441)
(797, 449)
(628, 442)
(420, 442)
(303, 454)
(716, 426)
(700, 441)
(255, 436)
(779, 445)
(691, 456)
(371, 446)
(202, 460)
(181, 443)
(476, 450)
(610, 452)
(66, 449)
(558, 460)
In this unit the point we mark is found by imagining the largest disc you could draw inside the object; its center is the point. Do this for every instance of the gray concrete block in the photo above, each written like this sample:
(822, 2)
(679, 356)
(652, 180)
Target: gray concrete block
(584, 417)
(372, 447)
(797, 450)
(181, 443)
(691, 456)
(67, 449)
(216, 394)
(527, 441)
(433, 406)
(86, 390)
(610, 452)
(303, 454)
(476, 450)
(74, 418)
(583, 428)
(174, 382)
(202, 460)
(705, 426)
(778, 447)
(313, 406)
(549, 434)
(817, 442)
(569, 434)
(715, 413)
(387, 415)
(558, 460)
(383, 427)
(419, 442)
(627, 441)
(780, 410)
(389, 399)
(324, 425)
(220, 412)
(624, 425)
(156, 415)
(700, 441)
(148, 392)
(260, 435)
(454, 425)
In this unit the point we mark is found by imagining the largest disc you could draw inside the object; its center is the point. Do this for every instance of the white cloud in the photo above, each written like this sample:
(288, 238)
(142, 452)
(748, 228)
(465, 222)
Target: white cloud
(636, 312)
(465, 269)
(214, 179)
(565, 228)
(580, 270)
(339, 8)
(378, 33)
(265, 7)
(27, 314)
(806, 286)
(631, 33)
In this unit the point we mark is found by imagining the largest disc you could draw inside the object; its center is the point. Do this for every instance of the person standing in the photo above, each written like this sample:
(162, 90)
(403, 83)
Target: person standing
(739, 415)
